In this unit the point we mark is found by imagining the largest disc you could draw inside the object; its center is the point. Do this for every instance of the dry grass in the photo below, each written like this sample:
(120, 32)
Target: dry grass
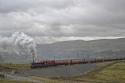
(16, 66)
(46, 80)
(11, 81)
(114, 73)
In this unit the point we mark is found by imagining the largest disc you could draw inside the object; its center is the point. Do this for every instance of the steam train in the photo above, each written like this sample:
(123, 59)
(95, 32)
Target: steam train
(55, 63)
(49, 63)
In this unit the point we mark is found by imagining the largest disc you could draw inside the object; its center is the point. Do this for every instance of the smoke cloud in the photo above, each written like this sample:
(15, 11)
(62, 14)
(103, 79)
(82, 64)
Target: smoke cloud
(19, 43)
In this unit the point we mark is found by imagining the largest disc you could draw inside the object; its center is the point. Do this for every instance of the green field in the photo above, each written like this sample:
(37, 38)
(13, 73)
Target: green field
(9, 68)
(111, 73)
(9, 81)
(114, 73)
(15, 66)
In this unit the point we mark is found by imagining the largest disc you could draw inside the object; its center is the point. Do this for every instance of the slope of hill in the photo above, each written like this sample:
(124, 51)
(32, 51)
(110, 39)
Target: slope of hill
(83, 49)
(105, 48)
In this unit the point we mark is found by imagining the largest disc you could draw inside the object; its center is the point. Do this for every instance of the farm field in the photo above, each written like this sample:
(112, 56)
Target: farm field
(111, 74)
(9, 81)
(15, 66)
(114, 73)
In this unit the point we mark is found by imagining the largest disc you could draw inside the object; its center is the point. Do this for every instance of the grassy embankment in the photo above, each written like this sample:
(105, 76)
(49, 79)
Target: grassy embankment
(15, 66)
(46, 80)
(114, 73)
(10, 67)
(9, 81)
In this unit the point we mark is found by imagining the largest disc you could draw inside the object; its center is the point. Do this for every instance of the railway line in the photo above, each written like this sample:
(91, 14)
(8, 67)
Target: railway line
(49, 63)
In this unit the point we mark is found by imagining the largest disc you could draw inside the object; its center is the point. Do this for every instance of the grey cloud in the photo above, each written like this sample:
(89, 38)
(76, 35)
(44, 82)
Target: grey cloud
(63, 17)
(25, 5)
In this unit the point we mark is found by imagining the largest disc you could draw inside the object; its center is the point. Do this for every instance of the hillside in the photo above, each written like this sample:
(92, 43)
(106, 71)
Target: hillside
(112, 73)
(105, 48)
(83, 49)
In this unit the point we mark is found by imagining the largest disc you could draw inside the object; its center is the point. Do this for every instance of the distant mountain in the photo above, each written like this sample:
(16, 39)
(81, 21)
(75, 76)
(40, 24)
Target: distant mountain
(8, 57)
(105, 48)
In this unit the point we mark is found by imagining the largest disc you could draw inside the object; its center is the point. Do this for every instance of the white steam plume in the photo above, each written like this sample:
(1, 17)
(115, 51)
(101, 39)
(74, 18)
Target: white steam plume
(20, 43)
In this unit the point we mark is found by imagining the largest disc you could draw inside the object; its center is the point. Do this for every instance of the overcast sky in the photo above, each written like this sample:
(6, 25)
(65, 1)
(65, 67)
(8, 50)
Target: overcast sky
(54, 20)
